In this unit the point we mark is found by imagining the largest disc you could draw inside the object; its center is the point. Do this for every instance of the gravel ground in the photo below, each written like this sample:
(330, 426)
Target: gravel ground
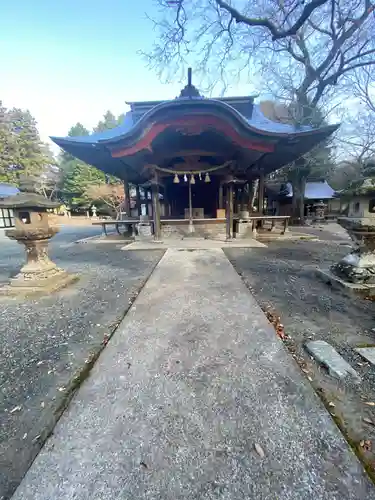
(45, 342)
(282, 278)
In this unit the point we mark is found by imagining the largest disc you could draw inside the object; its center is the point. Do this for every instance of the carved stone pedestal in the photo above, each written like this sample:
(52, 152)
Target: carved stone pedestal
(359, 265)
(33, 229)
(39, 274)
(356, 271)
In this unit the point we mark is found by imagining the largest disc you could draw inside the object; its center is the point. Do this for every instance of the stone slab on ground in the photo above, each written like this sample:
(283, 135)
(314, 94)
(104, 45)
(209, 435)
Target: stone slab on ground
(193, 383)
(352, 288)
(44, 342)
(193, 243)
(326, 355)
(368, 353)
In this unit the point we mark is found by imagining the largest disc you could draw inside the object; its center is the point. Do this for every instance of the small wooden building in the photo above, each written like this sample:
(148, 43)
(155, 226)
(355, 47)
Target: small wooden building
(358, 201)
(6, 214)
(280, 197)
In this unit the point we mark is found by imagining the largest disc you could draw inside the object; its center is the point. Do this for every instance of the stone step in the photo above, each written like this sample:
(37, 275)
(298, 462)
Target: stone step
(326, 355)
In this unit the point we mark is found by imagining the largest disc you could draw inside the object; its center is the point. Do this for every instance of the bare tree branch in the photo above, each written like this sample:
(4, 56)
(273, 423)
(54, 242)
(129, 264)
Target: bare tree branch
(225, 42)
(266, 23)
(363, 85)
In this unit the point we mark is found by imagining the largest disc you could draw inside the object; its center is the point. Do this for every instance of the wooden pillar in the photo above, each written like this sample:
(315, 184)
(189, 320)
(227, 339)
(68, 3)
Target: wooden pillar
(167, 210)
(237, 199)
(261, 194)
(243, 198)
(250, 196)
(229, 211)
(127, 198)
(138, 200)
(146, 200)
(221, 196)
(191, 226)
(156, 207)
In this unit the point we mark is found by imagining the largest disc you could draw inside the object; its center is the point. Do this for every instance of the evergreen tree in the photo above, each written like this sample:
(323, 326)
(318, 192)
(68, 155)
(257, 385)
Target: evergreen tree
(77, 130)
(21, 149)
(7, 149)
(109, 121)
(77, 175)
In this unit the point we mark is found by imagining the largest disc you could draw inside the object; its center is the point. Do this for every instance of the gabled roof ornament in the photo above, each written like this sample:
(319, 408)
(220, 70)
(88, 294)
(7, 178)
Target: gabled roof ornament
(189, 91)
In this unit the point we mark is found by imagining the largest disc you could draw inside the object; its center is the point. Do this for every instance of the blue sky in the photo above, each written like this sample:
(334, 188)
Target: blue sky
(72, 60)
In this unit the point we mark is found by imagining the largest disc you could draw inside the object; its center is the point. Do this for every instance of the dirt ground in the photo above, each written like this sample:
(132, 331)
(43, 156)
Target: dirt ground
(48, 344)
(283, 280)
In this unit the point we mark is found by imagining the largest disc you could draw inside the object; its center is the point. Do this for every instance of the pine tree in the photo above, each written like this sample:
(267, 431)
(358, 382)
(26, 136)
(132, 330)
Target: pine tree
(76, 131)
(7, 149)
(21, 149)
(109, 121)
(77, 175)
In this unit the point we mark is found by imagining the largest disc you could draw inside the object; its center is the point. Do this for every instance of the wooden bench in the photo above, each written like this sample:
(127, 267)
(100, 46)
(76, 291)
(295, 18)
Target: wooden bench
(116, 223)
(255, 219)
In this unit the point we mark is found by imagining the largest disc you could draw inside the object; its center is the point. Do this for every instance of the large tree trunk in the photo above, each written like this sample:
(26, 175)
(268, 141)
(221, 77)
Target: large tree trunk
(298, 215)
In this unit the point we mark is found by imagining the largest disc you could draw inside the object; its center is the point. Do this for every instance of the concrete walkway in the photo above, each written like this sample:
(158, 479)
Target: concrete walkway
(194, 378)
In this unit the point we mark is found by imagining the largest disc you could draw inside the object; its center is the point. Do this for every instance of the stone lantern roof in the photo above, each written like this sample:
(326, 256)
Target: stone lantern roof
(28, 197)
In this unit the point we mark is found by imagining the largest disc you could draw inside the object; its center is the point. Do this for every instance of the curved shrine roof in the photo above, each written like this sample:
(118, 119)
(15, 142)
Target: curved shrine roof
(282, 142)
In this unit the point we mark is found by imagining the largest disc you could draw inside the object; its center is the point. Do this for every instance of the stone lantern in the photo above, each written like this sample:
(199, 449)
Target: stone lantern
(319, 211)
(358, 266)
(32, 229)
(356, 271)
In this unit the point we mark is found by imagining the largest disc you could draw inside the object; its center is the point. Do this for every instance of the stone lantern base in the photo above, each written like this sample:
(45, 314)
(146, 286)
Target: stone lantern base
(356, 271)
(39, 275)
(348, 287)
(19, 286)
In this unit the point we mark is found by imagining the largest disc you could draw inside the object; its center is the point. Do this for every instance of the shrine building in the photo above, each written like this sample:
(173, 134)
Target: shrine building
(195, 157)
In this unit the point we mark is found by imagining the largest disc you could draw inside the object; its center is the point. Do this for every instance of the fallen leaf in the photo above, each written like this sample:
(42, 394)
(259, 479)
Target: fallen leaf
(16, 408)
(332, 405)
(24, 436)
(368, 421)
(259, 450)
(369, 403)
(366, 444)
